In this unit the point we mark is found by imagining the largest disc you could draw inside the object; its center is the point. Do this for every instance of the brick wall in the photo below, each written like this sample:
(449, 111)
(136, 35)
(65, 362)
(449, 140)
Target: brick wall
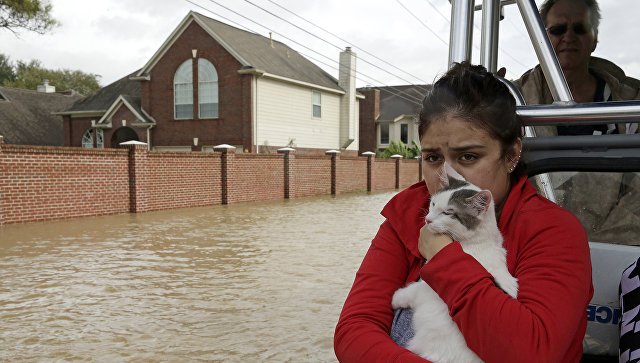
(312, 175)
(42, 183)
(352, 174)
(182, 179)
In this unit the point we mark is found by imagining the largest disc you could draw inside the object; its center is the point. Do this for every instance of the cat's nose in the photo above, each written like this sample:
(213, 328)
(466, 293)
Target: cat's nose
(428, 220)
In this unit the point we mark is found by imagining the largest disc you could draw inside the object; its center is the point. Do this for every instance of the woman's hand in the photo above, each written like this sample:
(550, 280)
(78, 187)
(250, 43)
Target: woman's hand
(431, 243)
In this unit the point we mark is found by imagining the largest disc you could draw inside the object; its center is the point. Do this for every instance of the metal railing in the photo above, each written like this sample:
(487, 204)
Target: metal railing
(564, 110)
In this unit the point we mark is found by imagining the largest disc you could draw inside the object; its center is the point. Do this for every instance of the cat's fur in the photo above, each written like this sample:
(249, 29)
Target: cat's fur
(467, 214)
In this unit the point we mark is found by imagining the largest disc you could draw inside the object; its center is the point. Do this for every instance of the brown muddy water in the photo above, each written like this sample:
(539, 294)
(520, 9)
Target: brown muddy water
(252, 282)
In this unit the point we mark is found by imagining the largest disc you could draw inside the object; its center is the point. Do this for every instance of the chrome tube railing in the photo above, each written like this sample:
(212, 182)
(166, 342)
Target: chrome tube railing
(546, 55)
(581, 113)
(461, 35)
(489, 39)
(543, 180)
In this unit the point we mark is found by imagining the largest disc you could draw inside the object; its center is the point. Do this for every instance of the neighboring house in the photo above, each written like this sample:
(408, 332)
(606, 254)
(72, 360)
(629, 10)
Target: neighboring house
(26, 116)
(211, 84)
(391, 114)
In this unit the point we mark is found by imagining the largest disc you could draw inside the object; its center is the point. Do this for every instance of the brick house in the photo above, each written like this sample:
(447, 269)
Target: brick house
(210, 84)
(390, 114)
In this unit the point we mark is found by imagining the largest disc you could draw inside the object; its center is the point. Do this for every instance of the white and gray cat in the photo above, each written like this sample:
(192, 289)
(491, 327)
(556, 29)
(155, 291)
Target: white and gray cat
(467, 214)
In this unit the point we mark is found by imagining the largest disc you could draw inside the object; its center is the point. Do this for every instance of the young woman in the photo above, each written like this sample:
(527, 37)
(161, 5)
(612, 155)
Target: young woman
(469, 120)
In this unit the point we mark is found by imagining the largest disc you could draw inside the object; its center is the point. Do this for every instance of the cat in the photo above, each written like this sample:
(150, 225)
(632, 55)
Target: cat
(467, 214)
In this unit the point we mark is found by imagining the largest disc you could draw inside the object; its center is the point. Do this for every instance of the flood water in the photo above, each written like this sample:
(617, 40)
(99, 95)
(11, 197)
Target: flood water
(248, 282)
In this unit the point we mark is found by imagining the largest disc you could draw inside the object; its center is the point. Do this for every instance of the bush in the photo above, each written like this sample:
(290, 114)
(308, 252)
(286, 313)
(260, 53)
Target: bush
(400, 148)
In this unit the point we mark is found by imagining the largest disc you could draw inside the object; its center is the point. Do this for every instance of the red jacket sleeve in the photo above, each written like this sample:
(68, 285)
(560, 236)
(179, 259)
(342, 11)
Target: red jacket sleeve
(362, 333)
(549, 255)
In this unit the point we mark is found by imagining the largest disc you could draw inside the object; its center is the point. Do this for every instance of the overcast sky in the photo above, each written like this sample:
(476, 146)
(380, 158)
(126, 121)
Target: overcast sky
(112, 38)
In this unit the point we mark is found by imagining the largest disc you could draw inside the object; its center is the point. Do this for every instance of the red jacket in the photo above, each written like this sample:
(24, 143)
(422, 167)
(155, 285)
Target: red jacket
(547, 251)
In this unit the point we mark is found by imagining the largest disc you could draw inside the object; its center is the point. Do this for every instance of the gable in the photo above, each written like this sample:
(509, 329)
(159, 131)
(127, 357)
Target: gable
(252, 51)
(131, 105)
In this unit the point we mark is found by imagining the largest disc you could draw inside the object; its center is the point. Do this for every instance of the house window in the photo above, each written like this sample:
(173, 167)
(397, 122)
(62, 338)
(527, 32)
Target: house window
(87, 138)
(384, 133)
(404, 133)
(207, 89)
(183, 91)
(317, 103)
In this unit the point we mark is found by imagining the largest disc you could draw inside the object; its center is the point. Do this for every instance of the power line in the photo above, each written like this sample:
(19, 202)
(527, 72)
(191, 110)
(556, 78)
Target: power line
(344, 40)
(324, 40)
(423, 24)
(415, 100)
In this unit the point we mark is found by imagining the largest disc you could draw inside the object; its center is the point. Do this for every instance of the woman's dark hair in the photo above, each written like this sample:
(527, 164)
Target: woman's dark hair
(471, 93)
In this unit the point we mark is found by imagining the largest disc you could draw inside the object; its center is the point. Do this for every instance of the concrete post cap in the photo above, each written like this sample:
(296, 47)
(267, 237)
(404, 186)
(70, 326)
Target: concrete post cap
(396, 156)
(224, 146)
(331, 152)
(286, 149)
(368, 153)
(132, 142)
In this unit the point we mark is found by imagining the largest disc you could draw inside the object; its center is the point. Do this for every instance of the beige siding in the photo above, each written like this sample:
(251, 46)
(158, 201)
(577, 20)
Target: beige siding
(284, 112)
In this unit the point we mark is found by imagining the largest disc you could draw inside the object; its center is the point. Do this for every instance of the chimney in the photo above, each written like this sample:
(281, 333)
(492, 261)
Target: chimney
(45, 88)
(347, 81)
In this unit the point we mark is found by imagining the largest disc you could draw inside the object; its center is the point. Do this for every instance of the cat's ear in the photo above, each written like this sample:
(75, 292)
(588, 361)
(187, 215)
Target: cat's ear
(444, 178)
(451, 172)
(480, 201)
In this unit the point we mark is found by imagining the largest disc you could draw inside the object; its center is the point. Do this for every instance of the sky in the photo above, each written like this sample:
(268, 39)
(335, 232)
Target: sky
(397, 42)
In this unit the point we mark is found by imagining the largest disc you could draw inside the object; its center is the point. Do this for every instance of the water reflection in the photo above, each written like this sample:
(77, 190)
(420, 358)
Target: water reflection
(246, 282)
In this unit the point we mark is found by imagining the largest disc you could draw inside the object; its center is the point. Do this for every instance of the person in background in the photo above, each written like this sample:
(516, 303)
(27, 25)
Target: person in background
(572, 26)
(469, 120)
(605, 203)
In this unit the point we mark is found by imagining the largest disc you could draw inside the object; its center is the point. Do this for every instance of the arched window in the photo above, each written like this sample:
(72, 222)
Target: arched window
(87, 138)
(183, 91)
(207, 89)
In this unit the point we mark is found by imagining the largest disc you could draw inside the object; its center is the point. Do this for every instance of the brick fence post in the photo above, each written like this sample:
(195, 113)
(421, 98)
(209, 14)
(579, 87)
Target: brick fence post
(3, 176)
(289, 174)
(370, 159)
(419, 159)
(334, 169)
(226, 172)
(398, 158)
(137, 175)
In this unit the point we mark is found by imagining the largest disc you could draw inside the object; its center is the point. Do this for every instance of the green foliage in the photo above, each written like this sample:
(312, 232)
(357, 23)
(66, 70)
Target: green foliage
(31, 15)
(30, 75)
(400, 148)
(6, 70)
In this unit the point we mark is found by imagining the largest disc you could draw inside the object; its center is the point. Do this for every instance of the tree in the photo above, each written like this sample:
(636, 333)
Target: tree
(30, 75)
(6, 70)
(31, 15)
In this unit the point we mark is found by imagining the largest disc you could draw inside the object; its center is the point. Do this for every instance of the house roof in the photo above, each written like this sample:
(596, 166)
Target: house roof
(106, 101)
(397, 101)
(26, 116)
(253, 51)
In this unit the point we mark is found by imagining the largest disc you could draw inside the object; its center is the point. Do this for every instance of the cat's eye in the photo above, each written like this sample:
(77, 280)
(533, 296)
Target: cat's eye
(447, 212)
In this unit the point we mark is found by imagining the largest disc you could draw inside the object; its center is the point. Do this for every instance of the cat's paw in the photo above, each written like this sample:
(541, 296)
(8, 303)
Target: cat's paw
(510, 286)
(400, 299)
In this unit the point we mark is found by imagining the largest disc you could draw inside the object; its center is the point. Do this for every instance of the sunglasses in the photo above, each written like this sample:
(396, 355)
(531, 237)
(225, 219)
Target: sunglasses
(578, 28)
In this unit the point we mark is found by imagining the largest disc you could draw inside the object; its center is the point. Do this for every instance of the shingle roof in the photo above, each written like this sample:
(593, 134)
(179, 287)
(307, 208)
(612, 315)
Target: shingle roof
(26, 119)
(401, 100)
(271, 56)
(104, 97)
